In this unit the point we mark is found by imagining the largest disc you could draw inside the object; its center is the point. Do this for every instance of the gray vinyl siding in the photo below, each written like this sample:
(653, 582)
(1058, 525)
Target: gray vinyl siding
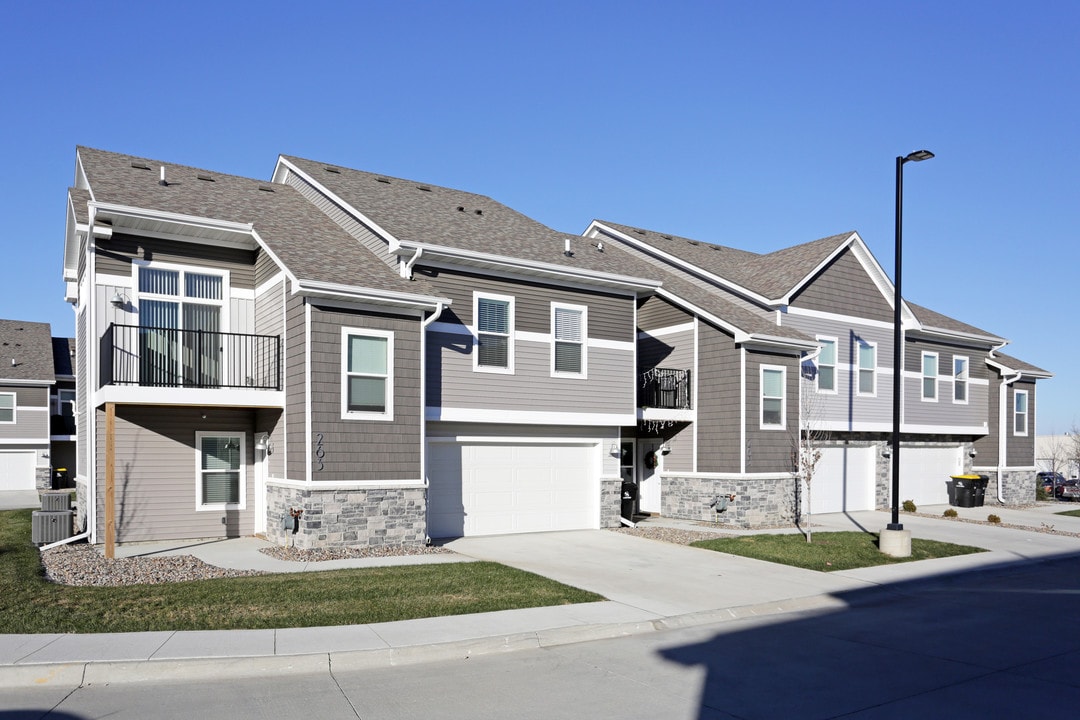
(356, 450)
(655, 312)
(681, 457)
(269, 310)
(670, 350)
(717, 402)
(453, 383)
(272, 422)
(846, 405)
(944, 411)
(987, 446)
(915, 347)
(155, 476)
(81, 393)
(265, 267)
(843, 287)
(769, 450)
(344, 220)
(611, 317)
(114, 257)
(295, 389)
(1020, 449)
(31, 414)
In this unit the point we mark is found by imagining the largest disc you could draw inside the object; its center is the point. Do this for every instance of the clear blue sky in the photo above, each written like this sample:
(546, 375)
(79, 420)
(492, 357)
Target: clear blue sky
(753, 124)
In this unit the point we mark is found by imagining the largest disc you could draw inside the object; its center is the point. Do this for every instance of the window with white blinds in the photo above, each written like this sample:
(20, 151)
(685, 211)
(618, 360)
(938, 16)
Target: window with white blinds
(367, 374)
(221, 473)
(494, 333)
(568, 353)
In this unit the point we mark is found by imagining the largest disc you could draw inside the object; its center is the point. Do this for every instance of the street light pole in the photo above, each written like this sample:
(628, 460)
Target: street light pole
(898, 355)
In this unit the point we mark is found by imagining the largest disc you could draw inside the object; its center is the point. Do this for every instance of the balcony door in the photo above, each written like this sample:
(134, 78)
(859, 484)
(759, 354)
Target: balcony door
(180, 323)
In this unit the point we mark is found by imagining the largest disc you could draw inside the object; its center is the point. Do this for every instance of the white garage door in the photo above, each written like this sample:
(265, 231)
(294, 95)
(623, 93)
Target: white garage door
(843, 480)
(924, 472)
(493, 489)
(17, 470)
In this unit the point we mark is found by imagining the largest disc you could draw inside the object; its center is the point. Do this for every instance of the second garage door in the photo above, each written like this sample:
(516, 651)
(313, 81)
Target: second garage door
(925, 471)
(495, 488)
(843, 480)
(17, 470)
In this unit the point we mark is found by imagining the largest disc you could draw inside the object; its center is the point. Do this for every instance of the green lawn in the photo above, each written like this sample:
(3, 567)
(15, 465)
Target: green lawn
(1070, 513)
(30, 604)
(829, 551)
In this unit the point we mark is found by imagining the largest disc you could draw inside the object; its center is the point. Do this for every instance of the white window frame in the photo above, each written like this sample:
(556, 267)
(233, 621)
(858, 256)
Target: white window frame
(223, 303)
(962, 379)
(583, 310)
(1017, 413)
(71, 396)
(388, 413)
(835, 342)
(14, 408)
(859, 369)
(923, 376)
(783, 397)
(509, 300)
(200, 506)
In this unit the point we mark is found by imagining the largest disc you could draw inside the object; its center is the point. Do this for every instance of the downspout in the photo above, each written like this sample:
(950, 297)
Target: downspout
(406, 272)
(439, 307)
(1003, 415)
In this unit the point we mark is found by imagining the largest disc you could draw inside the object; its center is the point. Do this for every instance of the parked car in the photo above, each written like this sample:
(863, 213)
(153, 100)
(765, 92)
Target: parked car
(1068, 490)
(1050, 480)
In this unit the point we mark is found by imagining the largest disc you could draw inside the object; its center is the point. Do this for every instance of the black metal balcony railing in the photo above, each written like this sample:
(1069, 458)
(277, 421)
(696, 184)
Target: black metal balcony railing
(665, 388)
(166, 357)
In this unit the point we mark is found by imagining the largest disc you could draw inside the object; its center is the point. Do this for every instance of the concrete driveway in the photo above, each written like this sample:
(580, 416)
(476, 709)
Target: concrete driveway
(660, 578)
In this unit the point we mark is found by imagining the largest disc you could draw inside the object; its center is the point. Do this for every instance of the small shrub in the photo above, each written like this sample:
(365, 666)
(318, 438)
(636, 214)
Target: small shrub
(909, 506)
(1041, 494)
(993, 518)
(949, 513)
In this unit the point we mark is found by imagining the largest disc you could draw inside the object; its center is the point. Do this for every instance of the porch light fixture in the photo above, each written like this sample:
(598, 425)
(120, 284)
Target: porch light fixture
(615, 450)
(917, 156)
(117, 300)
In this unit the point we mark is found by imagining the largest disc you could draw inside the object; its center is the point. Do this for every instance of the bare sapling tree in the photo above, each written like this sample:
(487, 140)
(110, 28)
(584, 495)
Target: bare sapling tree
(808, 439)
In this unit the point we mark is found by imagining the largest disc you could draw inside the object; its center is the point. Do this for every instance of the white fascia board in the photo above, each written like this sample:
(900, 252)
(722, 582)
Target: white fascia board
(194, 221)
(774, 343)
(502, 261)
(740, 334)
(959, 335)
(691, 268)
(392, 241)
(317, 287)
(27, 383)
(528, 417)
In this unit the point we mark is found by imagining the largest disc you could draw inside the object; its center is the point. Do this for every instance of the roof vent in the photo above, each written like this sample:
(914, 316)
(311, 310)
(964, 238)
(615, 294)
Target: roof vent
(266, 188)
(204, 176)
(162, 180)
(461, 208)
(425, 189)
(640, 232)
(383, 180)
(332, 170)
(666, 237)
(140, 166)
(479, 211)
(693, 242)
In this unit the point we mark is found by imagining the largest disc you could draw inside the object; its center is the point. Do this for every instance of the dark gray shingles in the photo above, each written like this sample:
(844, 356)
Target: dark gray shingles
(935, 320)
(307, 242)
(29, 344)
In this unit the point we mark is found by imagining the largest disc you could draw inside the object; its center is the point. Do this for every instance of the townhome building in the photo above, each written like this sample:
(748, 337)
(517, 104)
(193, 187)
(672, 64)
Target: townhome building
(337, 357)
(27, 378)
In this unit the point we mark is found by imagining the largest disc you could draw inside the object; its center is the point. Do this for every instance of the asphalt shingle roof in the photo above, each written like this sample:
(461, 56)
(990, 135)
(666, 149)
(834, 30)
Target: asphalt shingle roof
(933, 319)
(29, 345)
(1017, 364)
(309, 243)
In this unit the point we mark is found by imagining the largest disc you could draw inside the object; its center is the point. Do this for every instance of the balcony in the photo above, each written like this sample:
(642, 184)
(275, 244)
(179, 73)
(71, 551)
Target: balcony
(200, 359)
(665, 389)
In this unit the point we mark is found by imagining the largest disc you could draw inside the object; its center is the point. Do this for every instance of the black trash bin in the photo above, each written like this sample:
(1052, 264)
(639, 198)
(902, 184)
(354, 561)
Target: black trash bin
(950, 485)
(980, 489)
(629, 496)
(61, 480)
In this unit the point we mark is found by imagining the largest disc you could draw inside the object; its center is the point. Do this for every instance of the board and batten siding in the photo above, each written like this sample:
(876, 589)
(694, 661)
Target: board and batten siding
(155, 473)
(769, 449)
(654, 312)
(718, 401)
(611, 317)
(453, 383)
(846, 409)
(364, 450)
(115, 254)
(345, 220)
(843, 287)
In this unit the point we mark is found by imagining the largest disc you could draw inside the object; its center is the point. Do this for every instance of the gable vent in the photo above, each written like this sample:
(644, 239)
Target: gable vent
(140, 166)
(204, 176)
(266, 188)
(332, 170)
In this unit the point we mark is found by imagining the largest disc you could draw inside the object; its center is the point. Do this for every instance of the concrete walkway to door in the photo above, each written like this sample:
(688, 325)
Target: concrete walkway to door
(659, 578)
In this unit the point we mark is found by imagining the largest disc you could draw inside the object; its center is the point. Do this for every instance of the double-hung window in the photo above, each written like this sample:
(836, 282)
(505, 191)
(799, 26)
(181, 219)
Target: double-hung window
(773, 397)
(960, 380)
(867, 359)
(7, 408)
(930, 376)
(1020, 413)
(220, 471)
(367, 374)
(569, 330)
(826, 365)
(494, 319)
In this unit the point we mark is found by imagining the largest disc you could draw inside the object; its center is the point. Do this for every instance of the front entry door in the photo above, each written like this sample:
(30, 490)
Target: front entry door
(649, 478)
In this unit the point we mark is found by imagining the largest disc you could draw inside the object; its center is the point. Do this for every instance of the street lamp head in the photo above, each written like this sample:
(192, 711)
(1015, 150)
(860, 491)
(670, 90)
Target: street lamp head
(919, 156)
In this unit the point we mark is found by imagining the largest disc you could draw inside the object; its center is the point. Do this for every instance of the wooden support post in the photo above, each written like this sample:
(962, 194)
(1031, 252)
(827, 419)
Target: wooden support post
(110, 480)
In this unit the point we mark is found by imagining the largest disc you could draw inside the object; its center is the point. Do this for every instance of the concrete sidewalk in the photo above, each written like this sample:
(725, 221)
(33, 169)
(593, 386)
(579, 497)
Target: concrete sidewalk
(650, 586)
